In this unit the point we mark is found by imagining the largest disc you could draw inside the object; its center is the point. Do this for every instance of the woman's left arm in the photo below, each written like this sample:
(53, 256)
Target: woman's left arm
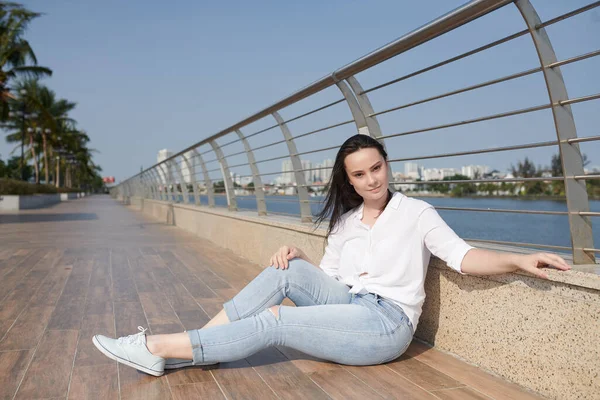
(487, 262)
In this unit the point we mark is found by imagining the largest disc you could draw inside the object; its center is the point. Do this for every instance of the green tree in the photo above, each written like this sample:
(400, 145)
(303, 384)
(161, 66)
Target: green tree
(17, 58)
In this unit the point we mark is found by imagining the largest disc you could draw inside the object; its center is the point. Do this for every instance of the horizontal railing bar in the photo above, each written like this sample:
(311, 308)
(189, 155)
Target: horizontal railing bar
(508, 180)
(269, 145)
(581, 139)
(568, 15)
(482, 48)
(272, 159)
(324, 129)
(521, 244)
(541, 212)
(495, 116)
(489, 150)
(238, 165)
(579, 99)
(317, 151)
(235, 154)
(458, 91)
(574, 59)
(471, 121)
(314, 111)
(448, 61)
(487, 83)
(584, 177)
(261, 131)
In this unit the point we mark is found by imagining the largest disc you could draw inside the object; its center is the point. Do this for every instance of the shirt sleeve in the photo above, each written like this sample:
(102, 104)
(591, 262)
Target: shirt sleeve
(441, 240)
(330, 263)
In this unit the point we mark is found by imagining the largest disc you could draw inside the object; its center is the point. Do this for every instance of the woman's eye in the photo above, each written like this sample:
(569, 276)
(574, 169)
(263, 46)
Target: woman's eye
(377, 167)
(358, 175)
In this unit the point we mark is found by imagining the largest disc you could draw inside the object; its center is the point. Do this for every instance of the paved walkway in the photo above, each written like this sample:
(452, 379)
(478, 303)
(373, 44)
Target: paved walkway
(93, 266)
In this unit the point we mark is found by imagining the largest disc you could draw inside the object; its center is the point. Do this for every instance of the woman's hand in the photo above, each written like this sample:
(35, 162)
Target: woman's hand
(532, 262)
(285, 253)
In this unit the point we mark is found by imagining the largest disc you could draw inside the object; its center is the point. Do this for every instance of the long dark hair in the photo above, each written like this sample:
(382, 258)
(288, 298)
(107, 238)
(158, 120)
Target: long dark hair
(341, 196)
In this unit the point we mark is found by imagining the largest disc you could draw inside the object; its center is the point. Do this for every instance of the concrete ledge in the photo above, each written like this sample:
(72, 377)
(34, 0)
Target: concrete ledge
(18, 202)
(542, 334)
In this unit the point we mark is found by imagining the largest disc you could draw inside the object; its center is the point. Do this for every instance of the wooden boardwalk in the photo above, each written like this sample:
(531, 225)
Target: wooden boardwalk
(93, 266)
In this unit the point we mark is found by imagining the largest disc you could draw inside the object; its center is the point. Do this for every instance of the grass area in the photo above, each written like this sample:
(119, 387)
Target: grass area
(14, 187)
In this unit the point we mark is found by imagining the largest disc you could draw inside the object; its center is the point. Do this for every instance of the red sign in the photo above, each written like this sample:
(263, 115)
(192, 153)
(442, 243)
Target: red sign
(108, 179)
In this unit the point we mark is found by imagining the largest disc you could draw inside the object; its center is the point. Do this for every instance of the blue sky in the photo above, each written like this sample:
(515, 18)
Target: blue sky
(149, 75)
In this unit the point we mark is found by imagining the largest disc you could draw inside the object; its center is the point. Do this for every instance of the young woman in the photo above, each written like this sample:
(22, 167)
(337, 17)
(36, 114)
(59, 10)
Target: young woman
(361, 305)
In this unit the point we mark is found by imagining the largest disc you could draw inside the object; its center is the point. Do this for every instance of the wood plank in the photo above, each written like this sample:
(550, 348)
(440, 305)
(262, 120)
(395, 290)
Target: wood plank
(28, 329)
(128, 316)
(285, 379)
(463, 393)
(194, 265)
(160, 315)
(194, 284)
(12, 278)
(52, 287)
(340, 384)
(17, 257)
(68, 313)
(422, 374)
(239, 381)
(186, 376)
(122, 279)
(95, 382)
(49, 372)
(13, 365)
(204, 391)
(94, 324)
(141, 268)
(137, 385)
(388, 383)
(305, 363)
(467, 374)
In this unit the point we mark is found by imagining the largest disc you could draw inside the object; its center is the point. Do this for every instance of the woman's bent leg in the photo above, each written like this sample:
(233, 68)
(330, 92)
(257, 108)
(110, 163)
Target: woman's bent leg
(303, 283)
(345, 333)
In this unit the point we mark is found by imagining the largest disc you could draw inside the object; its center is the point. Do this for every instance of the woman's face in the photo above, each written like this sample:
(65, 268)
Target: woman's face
(367, 172)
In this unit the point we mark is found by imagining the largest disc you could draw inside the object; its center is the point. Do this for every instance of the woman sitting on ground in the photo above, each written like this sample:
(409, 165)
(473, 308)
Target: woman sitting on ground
(361, 305)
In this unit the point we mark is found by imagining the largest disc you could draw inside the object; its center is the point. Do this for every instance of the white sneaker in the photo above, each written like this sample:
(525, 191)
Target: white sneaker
(132, 351)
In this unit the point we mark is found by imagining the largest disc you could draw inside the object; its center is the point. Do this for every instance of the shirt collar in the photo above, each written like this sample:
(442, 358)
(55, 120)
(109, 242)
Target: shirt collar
(394, 203)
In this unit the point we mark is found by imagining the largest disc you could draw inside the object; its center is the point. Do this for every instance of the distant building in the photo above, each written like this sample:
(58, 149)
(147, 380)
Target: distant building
(412, 170)
(473, 171)
(163, 155)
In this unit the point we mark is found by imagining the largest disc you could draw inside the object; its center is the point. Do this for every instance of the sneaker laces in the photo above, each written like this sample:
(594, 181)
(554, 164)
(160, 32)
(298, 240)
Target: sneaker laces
(137, 339)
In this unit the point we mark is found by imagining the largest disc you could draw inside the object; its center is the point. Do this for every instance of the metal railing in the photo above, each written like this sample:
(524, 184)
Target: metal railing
(186, 177)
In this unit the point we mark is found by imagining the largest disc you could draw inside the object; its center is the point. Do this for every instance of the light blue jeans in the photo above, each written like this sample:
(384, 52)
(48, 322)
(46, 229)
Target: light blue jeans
(327, 322)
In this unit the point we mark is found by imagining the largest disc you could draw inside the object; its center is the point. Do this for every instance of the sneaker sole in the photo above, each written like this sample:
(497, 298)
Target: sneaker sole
(181, 364)
(110, 355)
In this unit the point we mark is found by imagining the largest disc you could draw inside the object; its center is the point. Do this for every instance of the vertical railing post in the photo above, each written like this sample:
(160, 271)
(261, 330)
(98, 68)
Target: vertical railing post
(229, 187)
(305, 214)
(207, 181)
(258, 186)
(192, 173)
(167, 179)
(182, 183)
(570, 154)
(361, 110)
(160, 187)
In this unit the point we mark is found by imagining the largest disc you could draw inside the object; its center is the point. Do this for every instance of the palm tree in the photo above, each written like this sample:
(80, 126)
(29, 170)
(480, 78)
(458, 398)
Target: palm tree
(17, 58)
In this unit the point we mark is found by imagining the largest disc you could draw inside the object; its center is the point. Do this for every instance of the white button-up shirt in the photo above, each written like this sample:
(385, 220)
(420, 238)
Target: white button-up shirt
(394, 253)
